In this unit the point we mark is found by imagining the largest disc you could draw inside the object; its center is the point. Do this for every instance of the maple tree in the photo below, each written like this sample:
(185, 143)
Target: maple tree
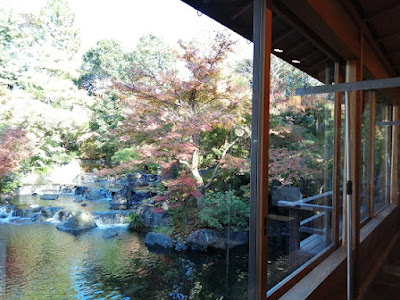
(13, 150)
(172, 112)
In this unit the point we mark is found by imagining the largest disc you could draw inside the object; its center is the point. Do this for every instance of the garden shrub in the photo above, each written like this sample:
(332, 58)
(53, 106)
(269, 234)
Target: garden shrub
(225, 210)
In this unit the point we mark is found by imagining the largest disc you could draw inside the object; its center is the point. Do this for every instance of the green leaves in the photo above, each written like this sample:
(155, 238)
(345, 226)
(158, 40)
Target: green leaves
(225, 210)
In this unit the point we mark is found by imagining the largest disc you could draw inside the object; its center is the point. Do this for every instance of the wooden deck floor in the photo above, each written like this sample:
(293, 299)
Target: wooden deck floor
(386, 285)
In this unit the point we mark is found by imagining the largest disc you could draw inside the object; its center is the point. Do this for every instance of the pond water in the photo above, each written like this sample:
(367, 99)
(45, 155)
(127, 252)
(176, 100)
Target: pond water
(39, 262)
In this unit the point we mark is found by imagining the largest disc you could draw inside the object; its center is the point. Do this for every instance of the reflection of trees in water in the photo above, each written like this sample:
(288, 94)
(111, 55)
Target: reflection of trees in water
(44, 262)
(127, 264)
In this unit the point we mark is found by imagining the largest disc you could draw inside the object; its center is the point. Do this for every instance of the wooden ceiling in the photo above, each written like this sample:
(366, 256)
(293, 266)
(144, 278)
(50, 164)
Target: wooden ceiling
(382, 18)
(296, 30)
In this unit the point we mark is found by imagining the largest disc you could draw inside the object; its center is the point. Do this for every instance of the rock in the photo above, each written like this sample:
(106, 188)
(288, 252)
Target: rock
(140, 180)
(153, 178)
(79, 190)
(177, 296)
(63, 215)
(234, 239)
(38, 217)
(78, 199)
(67, 190)
(181, 246)
(6, 211)
(119, 202)
(202, 239)
(152, 219)
(139, 196)
(158, 239)
(26, 213)
(109, 234)
(82, 221)
(111, 217)
(95, 194)
(49, 197)
(50, 211)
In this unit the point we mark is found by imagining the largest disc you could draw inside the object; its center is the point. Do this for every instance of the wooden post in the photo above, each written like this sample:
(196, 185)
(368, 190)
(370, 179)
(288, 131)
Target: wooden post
(355, 110)
(262, 38)
(336, 158)
(394, 192)
(294, 239)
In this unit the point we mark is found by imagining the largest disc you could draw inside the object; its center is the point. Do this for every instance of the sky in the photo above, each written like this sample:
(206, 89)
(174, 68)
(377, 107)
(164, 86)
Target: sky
(127, 20)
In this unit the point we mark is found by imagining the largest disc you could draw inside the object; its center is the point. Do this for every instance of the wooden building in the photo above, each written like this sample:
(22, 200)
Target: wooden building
(336, 42)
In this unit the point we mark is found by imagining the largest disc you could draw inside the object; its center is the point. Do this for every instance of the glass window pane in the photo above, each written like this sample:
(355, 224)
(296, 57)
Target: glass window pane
(383, 138)
(300, 172)
(365, 161)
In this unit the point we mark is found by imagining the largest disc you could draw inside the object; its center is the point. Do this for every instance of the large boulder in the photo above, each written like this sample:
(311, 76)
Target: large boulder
(82, 221)
(154, 239)
(63, 215)
(50, 211)
(203, 239)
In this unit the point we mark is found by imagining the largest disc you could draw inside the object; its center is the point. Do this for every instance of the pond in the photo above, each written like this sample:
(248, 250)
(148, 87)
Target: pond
(40, 262)
(37, 261)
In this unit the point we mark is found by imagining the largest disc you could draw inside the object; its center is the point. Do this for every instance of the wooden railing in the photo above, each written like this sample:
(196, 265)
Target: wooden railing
(318, 226)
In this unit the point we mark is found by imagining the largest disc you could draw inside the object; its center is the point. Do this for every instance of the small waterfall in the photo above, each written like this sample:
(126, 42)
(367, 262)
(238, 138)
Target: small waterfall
(111, 218)
(61, 216)
(36, 213)
(6, 213)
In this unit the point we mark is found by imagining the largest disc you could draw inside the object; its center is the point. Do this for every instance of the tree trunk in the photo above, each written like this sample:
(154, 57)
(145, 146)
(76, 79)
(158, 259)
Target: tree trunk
(199, 180)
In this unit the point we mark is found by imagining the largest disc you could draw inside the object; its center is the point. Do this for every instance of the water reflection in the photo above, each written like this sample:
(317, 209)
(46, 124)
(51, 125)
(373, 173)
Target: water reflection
(39, 262)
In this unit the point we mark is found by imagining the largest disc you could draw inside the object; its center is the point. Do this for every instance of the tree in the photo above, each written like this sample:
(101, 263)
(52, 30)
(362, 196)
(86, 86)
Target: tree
(172, 110)
(13, 150)
(36, 83)
(59, 30)
(101, 64)
(301, 131)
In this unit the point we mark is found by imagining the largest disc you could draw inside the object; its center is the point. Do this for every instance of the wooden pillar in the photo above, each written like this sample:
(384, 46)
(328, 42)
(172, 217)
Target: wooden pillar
(262, 38)
(394, 192)
(355, 110)
(336, 159)
(294, 239)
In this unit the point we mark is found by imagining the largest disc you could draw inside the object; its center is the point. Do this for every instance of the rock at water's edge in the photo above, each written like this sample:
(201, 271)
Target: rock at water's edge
(49, 197)
(81, 222)
(158, 239)
(202, 239)
(109, 234)
(181, 246)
